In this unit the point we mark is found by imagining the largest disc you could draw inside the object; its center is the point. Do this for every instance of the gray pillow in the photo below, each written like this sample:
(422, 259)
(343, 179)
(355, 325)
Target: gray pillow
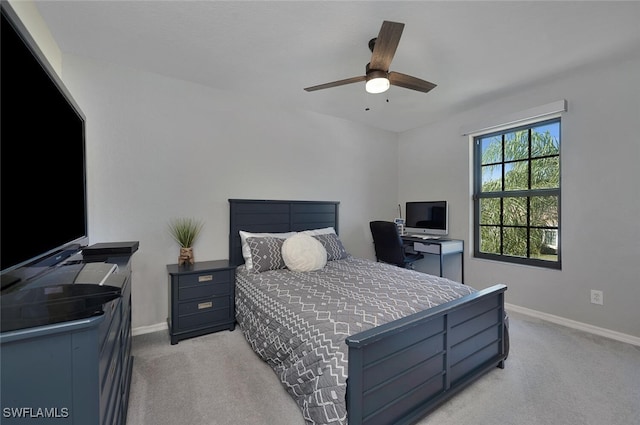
(266, 253)
(333, 245)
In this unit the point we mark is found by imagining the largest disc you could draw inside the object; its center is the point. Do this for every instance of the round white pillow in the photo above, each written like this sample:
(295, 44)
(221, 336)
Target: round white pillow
(303, 253)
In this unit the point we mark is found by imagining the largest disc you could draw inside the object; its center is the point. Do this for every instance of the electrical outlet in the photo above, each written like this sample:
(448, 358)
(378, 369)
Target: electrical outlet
(597, 297)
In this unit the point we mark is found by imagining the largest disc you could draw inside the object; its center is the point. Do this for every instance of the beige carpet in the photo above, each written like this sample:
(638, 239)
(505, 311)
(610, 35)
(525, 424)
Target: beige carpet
(554, 375)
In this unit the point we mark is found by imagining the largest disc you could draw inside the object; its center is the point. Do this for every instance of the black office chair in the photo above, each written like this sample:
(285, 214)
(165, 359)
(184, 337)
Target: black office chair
(389, 246)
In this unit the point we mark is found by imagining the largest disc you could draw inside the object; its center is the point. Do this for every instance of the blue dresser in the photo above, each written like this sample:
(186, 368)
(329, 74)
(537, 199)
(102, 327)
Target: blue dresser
(74, 371)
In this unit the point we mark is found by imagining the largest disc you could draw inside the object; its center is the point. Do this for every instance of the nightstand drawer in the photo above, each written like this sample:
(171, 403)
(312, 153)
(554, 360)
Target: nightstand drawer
(202, 291)
(205, 278)
(203, 306)
(206, 318)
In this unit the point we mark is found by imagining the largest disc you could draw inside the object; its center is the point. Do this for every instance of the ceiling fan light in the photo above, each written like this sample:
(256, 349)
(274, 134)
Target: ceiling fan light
(377, 82)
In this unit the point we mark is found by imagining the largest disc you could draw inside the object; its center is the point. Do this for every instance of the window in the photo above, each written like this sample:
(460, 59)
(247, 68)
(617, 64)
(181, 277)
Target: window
(517, 195)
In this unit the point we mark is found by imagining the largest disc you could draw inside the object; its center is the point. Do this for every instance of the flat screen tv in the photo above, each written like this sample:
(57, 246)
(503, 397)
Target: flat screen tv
(427, 218)
(42, 135)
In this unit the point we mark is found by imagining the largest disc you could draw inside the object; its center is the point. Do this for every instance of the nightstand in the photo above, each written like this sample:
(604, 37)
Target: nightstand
(201, 299)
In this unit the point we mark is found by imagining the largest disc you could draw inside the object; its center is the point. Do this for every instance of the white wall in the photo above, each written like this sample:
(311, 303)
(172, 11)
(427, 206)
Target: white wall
(600, 207)
(159, 148)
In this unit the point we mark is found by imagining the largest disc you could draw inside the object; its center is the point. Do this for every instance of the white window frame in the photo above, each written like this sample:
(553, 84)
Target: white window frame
(526, 118)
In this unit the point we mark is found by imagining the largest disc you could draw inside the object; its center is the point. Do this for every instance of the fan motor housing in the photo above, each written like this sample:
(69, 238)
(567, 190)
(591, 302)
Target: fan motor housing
(375, 73)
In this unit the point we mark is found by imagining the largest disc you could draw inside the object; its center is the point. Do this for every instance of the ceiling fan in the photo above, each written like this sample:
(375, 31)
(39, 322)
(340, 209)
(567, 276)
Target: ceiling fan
(377, 76)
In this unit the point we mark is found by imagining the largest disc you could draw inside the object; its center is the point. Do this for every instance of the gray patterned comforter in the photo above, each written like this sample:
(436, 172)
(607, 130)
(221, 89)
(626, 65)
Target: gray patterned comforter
(298, 322)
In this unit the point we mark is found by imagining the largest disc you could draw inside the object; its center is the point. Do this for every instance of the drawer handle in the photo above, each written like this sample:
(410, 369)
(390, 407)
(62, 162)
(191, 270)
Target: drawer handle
(205, 278)
(202, 306)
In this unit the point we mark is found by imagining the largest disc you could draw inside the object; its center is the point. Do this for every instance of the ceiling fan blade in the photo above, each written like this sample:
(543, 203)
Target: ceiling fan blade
(409, 82)
(386, 45)
(337, 83)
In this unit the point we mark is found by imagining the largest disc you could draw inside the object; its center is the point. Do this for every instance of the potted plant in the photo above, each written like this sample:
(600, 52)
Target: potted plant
(185, 231)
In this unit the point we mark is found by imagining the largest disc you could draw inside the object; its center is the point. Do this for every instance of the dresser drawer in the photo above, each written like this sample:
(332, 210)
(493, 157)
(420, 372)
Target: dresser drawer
(110, 310)
(205, 278)
(126, 336)
(110, 405)
(111, 345)
(110, 380)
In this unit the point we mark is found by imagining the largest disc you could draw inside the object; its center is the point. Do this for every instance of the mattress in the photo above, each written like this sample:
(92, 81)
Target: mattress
(297, 322)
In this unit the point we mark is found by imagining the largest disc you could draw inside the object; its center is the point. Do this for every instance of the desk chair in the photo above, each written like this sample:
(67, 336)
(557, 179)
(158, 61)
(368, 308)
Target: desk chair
(389, 246)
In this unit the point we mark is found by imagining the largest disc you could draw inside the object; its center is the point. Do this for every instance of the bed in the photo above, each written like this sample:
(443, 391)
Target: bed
(356, 341)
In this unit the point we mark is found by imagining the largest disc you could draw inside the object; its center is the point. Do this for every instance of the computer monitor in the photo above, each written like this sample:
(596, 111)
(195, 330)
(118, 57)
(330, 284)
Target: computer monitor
(427, 218)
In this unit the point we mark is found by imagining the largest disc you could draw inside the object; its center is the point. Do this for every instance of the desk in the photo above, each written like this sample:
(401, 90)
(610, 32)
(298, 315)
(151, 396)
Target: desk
(440, 247)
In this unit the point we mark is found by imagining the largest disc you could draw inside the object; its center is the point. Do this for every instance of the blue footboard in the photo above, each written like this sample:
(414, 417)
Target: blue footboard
(400, 371)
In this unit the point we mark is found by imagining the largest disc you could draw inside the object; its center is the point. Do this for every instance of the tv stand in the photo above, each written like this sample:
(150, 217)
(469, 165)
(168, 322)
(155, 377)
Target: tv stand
(438, 246)
(75, 371)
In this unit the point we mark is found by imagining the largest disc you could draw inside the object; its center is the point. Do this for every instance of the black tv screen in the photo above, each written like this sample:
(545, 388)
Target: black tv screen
(42, 154)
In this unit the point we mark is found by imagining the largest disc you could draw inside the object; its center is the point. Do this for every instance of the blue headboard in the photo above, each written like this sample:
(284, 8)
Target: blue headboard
(258, 216)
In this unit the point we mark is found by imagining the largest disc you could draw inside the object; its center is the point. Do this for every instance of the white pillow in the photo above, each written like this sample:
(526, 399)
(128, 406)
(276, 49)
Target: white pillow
(246, 250)
(315, 232)
(303, 253)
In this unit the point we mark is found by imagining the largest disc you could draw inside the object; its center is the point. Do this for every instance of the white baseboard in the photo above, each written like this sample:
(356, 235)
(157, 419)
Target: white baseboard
(607, 333)
(618, 336)
(148, 329)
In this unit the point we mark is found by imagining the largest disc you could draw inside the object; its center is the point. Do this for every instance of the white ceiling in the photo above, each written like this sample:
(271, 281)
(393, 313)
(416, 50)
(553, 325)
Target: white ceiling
(473, 50)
